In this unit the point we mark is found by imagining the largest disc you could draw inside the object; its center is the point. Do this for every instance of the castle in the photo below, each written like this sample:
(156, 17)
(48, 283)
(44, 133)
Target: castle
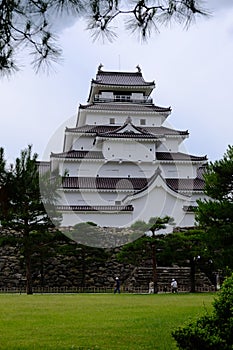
(121, 163)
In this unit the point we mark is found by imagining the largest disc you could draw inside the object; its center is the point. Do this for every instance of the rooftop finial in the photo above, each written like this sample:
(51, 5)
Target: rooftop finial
(100, 67)
(138, 68)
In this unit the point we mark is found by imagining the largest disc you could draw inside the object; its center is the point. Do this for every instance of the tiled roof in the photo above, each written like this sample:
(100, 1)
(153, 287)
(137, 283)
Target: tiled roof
(179, 156)
(136, 184)
(134, 132)
(125, 107)
(161, 130)
(186, 184)
(75, 154)
(100, 208)
(121, 78)
(79, 154)
(113, 183)
(98, 129)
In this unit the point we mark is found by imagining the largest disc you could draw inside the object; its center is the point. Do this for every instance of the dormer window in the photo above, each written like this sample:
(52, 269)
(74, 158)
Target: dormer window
(112, 121)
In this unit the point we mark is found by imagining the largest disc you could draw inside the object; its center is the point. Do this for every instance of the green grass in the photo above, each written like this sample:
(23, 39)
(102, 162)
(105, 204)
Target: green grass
(96, 321)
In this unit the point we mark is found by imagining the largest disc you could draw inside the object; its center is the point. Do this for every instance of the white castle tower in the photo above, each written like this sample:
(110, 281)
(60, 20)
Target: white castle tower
(121, 163)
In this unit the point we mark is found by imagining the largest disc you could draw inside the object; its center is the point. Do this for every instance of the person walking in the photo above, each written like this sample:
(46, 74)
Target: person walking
(174, 286)
(151, 287)
(117, 286)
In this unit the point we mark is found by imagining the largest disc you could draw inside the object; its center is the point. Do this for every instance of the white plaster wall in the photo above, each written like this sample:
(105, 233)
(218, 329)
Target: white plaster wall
(132, 150)
(83, 143)
(170, 145)
(104, 219)
(179, 170)
(90, 198)
(188, 220)
(160, 202)
(109, 169)
(120, 118)
(80, 168)
(163, 204)
(115, 169)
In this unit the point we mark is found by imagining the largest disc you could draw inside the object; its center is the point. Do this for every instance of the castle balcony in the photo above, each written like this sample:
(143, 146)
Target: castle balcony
(123, 98)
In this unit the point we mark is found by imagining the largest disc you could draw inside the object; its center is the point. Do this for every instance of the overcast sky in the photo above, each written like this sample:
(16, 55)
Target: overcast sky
(193, 71)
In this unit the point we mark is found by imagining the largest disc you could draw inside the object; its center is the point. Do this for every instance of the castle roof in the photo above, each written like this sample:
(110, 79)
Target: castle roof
(132, 184)
(162, 156)
(103, 183)
(125, 107)
(99, 208)
(196, 184)
(121, 78)
(178, 156)
(98, 129)
(75, 154)
(128, 130)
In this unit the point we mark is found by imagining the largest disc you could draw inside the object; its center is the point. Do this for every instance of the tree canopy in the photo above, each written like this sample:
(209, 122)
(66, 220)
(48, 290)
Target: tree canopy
(147, 244)
(31, 25)
(21, 207)
(211, 331)
(215, 215)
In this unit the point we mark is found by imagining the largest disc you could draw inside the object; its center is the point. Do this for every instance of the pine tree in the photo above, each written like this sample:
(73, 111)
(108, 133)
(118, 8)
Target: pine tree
(30, 23)
(215, 215)
(22, 209)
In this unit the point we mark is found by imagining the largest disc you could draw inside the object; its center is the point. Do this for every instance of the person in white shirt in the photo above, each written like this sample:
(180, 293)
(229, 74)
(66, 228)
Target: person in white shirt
(151, 287)
(174, 286)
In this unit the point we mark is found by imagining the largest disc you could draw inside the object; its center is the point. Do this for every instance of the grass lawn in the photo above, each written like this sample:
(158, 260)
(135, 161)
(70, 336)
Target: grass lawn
(96, 321)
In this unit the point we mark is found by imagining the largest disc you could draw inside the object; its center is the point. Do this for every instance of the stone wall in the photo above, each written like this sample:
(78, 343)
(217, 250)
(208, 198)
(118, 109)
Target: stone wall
(81, 269)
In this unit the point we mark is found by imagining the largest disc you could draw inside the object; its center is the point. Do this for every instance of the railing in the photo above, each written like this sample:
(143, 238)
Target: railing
(123, 98)
(66, 290)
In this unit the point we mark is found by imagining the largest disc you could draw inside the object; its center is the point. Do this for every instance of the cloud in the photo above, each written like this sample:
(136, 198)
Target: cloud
(192, 70)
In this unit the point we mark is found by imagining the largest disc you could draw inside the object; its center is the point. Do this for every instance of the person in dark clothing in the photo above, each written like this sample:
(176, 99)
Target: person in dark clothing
(117, 286)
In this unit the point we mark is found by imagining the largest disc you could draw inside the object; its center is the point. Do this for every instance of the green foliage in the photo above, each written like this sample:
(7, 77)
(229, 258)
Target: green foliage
(135, 252)
(22, 209)
(211, 331)
(219, 178)
(180, 247)
(141, 249)
(216, 214)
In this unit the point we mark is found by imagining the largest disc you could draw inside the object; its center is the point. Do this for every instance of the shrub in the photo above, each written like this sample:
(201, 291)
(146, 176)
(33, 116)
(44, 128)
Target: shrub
(211, 331)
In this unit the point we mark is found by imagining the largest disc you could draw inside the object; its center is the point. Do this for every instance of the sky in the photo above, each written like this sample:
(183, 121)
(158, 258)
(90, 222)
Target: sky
(192, 69)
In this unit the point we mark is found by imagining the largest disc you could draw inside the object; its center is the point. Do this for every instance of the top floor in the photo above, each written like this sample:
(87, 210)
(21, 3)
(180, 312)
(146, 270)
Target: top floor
(110, 86)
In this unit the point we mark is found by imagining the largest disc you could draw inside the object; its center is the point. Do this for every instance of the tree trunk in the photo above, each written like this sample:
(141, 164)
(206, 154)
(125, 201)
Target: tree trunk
(27, 256)
(154, 267)
(28, 273)
(192, 275)
(84, 267)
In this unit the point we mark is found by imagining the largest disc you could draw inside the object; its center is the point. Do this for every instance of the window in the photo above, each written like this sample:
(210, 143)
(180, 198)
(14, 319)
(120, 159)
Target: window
(142, 121)
(112, 120)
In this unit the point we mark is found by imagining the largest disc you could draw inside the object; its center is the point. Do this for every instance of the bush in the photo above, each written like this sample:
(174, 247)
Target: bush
(211, 331)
